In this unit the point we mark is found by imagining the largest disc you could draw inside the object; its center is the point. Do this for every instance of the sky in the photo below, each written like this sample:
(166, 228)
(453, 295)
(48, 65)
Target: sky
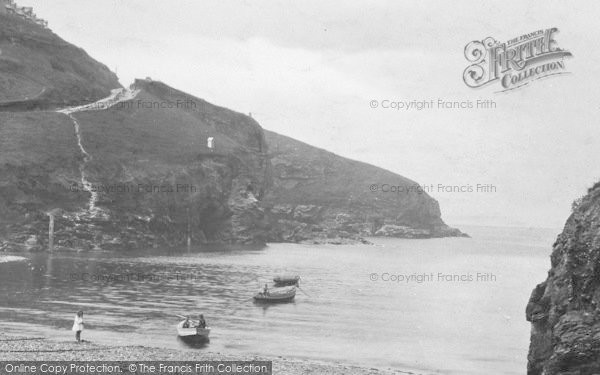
(312, 69)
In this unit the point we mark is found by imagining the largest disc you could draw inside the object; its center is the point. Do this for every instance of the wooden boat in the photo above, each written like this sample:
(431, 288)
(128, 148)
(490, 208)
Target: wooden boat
(276, 295)
(283, 280)
(192, 332)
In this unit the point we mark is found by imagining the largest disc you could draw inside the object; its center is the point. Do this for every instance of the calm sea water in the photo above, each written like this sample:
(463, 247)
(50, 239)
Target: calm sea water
(359, 305)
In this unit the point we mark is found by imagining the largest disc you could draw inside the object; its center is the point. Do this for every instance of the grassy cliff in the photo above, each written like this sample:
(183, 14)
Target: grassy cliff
(145, 165)
(39, 70)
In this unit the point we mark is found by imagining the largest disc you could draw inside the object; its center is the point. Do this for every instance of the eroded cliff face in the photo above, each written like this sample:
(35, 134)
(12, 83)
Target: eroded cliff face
(564, 310)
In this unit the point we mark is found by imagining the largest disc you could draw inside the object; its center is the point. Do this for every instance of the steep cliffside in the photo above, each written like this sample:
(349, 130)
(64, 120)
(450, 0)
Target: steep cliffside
(564, 310)
(148, 163)
(40, 70)
(133, 170)
(318, 196)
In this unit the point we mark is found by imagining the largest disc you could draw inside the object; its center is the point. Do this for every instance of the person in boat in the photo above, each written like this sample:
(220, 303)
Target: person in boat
(202, 322)
(78, 325)
(186, 324)
(266, 290)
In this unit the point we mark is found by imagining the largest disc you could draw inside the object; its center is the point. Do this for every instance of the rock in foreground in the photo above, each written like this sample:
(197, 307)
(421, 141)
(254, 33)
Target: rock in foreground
(564, 310)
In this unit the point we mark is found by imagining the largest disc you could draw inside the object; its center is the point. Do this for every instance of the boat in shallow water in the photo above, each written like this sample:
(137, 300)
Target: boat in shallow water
(276, 295)
(192, 332)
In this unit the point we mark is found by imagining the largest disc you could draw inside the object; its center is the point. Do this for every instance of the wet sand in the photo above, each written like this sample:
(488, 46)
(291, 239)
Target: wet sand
(19, 348)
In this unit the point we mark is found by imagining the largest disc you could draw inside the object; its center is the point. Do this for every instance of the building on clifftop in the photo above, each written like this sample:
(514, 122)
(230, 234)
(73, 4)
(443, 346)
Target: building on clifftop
(26, 13)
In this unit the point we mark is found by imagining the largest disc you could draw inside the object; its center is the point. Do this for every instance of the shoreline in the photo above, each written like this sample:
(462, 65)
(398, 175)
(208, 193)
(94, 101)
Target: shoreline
(8, 246)
(24, 348)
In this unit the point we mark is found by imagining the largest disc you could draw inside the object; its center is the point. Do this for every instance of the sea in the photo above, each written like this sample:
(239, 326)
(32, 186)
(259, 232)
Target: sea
(427, 306)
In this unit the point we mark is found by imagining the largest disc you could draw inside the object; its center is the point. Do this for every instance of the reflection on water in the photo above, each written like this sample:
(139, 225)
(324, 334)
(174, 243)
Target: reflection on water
(195, 343)
(340, 314)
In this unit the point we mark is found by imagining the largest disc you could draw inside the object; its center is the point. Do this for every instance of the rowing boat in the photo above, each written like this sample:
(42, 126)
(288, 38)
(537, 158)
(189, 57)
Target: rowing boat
(283, 280)
(192, 332)
(276, 295)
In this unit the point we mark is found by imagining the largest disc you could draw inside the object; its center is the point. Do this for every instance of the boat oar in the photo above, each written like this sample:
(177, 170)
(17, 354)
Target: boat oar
(302, 290)
(185, 317)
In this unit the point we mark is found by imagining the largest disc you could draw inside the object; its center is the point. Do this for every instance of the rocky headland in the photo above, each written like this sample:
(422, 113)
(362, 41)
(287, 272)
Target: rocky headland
(318, 196)
(131, 168)
(564, 310)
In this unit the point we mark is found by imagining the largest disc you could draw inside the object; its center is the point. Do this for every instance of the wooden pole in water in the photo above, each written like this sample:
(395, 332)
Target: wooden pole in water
(51, 232)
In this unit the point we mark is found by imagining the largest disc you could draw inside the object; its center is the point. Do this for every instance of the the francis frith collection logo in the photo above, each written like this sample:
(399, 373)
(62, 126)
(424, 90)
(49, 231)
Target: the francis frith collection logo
(515, 63)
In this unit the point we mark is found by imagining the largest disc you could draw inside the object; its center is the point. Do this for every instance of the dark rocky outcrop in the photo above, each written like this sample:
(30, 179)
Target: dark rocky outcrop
(564, 310)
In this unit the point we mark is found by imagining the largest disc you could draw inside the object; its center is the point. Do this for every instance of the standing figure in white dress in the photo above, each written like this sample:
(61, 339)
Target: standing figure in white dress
(78, 325)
